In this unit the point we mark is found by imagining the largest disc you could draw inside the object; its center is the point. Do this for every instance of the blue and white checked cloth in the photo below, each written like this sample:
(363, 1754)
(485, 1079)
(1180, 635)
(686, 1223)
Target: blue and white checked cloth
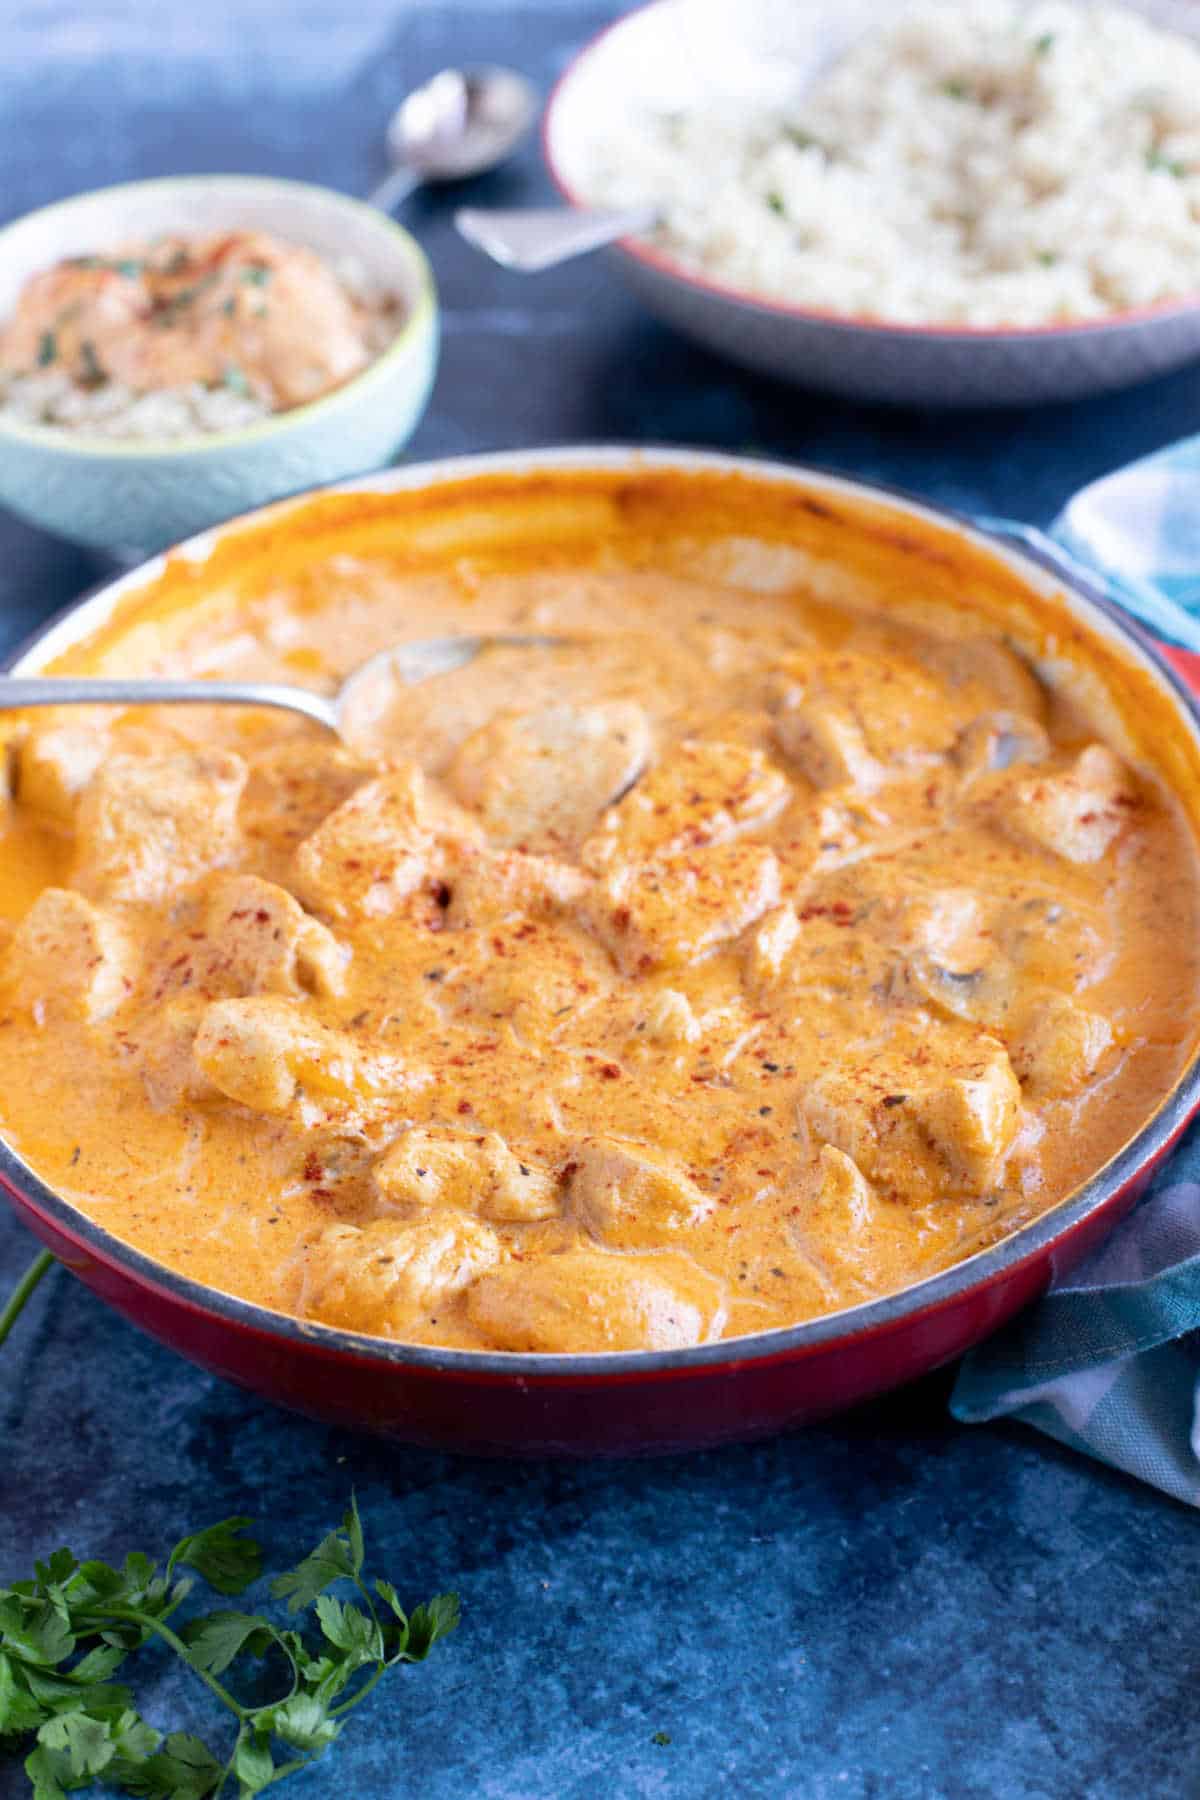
(1109, 1360)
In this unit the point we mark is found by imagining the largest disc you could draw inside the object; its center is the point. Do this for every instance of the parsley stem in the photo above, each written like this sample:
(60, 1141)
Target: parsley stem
(41, 1265)
(180, 1648)
(336, 1712)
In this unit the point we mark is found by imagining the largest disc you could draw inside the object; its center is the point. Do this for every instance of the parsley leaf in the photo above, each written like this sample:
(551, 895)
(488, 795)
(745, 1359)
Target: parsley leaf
(227, 1559)
(214, 1641)
(184, 1769)
(338, 1556)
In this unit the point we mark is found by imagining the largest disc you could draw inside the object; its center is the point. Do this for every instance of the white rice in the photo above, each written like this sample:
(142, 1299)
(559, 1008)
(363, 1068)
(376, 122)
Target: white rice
(50, 397)
(979, 162)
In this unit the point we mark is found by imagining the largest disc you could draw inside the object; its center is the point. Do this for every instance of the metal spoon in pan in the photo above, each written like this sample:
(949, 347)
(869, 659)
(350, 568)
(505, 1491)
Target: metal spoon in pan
(361, 698)
(460, 123)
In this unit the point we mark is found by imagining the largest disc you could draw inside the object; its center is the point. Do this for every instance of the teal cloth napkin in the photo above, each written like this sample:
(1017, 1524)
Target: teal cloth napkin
(1109, 1360)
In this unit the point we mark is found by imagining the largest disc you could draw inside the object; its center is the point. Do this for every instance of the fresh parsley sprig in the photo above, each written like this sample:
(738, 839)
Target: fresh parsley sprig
(65, 1634)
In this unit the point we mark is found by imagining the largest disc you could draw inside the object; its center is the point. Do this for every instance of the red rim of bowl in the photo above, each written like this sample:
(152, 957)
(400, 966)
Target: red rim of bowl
(664, 264)
(1178, 1105)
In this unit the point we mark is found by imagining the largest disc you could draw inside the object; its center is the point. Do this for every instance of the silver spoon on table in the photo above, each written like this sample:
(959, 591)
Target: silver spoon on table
(460, 123)
(365, 690)
(465, 121)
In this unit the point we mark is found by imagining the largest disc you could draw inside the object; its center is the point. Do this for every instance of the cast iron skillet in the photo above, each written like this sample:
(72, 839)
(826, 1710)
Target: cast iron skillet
(644, 1401)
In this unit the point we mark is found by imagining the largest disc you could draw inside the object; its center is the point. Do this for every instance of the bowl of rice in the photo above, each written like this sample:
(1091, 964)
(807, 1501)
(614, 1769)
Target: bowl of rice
(176, 351)
(946, 202)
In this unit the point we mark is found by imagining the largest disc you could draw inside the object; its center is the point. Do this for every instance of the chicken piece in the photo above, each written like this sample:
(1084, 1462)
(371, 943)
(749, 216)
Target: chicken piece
(386, 841)
(387, 1277)
(162, 1048)
(68, 958)
(147, 825)
(540, 780)
(853, 719)
(986, 669)
(78, 302)
(265, 943)
(1077, 812)
(702, 793)
(669, 1020)
(934, 1091)
(487, 886)
(666, 914)
(836, 1224)
(294, 786)
(629, 1196)
(55, 763)
(814, 956)
(971, 1120)
(1059, 1046)
(828, 746)
(470, 1172)
(587, 1300)
(843, 1198)
(534, 979)
(267, 1053)
(770, 947)
(998, 741)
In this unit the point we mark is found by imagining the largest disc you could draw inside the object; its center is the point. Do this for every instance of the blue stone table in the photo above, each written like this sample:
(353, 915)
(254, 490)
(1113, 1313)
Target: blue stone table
(887, 1606)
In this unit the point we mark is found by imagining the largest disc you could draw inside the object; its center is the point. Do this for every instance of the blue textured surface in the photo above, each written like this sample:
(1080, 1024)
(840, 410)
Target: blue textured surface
(891, 1606)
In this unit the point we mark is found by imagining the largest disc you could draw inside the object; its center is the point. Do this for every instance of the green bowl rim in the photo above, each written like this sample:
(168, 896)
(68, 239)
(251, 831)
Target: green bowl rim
(421, 319)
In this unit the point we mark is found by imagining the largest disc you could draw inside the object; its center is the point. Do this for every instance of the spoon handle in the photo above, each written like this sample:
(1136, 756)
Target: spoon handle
(394, 188)
(531, 238)
(40, 690)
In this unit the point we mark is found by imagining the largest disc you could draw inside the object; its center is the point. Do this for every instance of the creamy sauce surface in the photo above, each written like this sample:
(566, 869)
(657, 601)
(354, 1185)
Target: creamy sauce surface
(750, 958)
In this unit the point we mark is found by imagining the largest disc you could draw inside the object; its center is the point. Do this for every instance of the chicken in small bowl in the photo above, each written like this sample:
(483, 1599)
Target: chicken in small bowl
(173, 351)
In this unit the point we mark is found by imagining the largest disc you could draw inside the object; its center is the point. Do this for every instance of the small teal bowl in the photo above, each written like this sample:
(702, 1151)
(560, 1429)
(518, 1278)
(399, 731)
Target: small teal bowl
(140, 495)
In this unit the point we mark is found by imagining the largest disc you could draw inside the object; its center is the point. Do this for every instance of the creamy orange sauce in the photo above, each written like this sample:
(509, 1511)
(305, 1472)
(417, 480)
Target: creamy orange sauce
(783, 940)
(245, 311)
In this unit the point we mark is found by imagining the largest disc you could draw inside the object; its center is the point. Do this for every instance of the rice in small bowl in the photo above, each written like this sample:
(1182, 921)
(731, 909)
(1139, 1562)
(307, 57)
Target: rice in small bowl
(108, 439)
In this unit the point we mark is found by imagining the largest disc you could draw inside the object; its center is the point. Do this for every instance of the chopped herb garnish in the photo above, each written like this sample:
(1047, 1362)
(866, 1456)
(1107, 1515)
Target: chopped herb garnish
(1042, 46)
(47, 349)
(775, 202)
(661, 1737)
(1047, 258)
(169, 312)
(84, 262)
(91, 371)
(235, 381)
(1156, 160)
(256, 274)
(956, 90)
(803, 140)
